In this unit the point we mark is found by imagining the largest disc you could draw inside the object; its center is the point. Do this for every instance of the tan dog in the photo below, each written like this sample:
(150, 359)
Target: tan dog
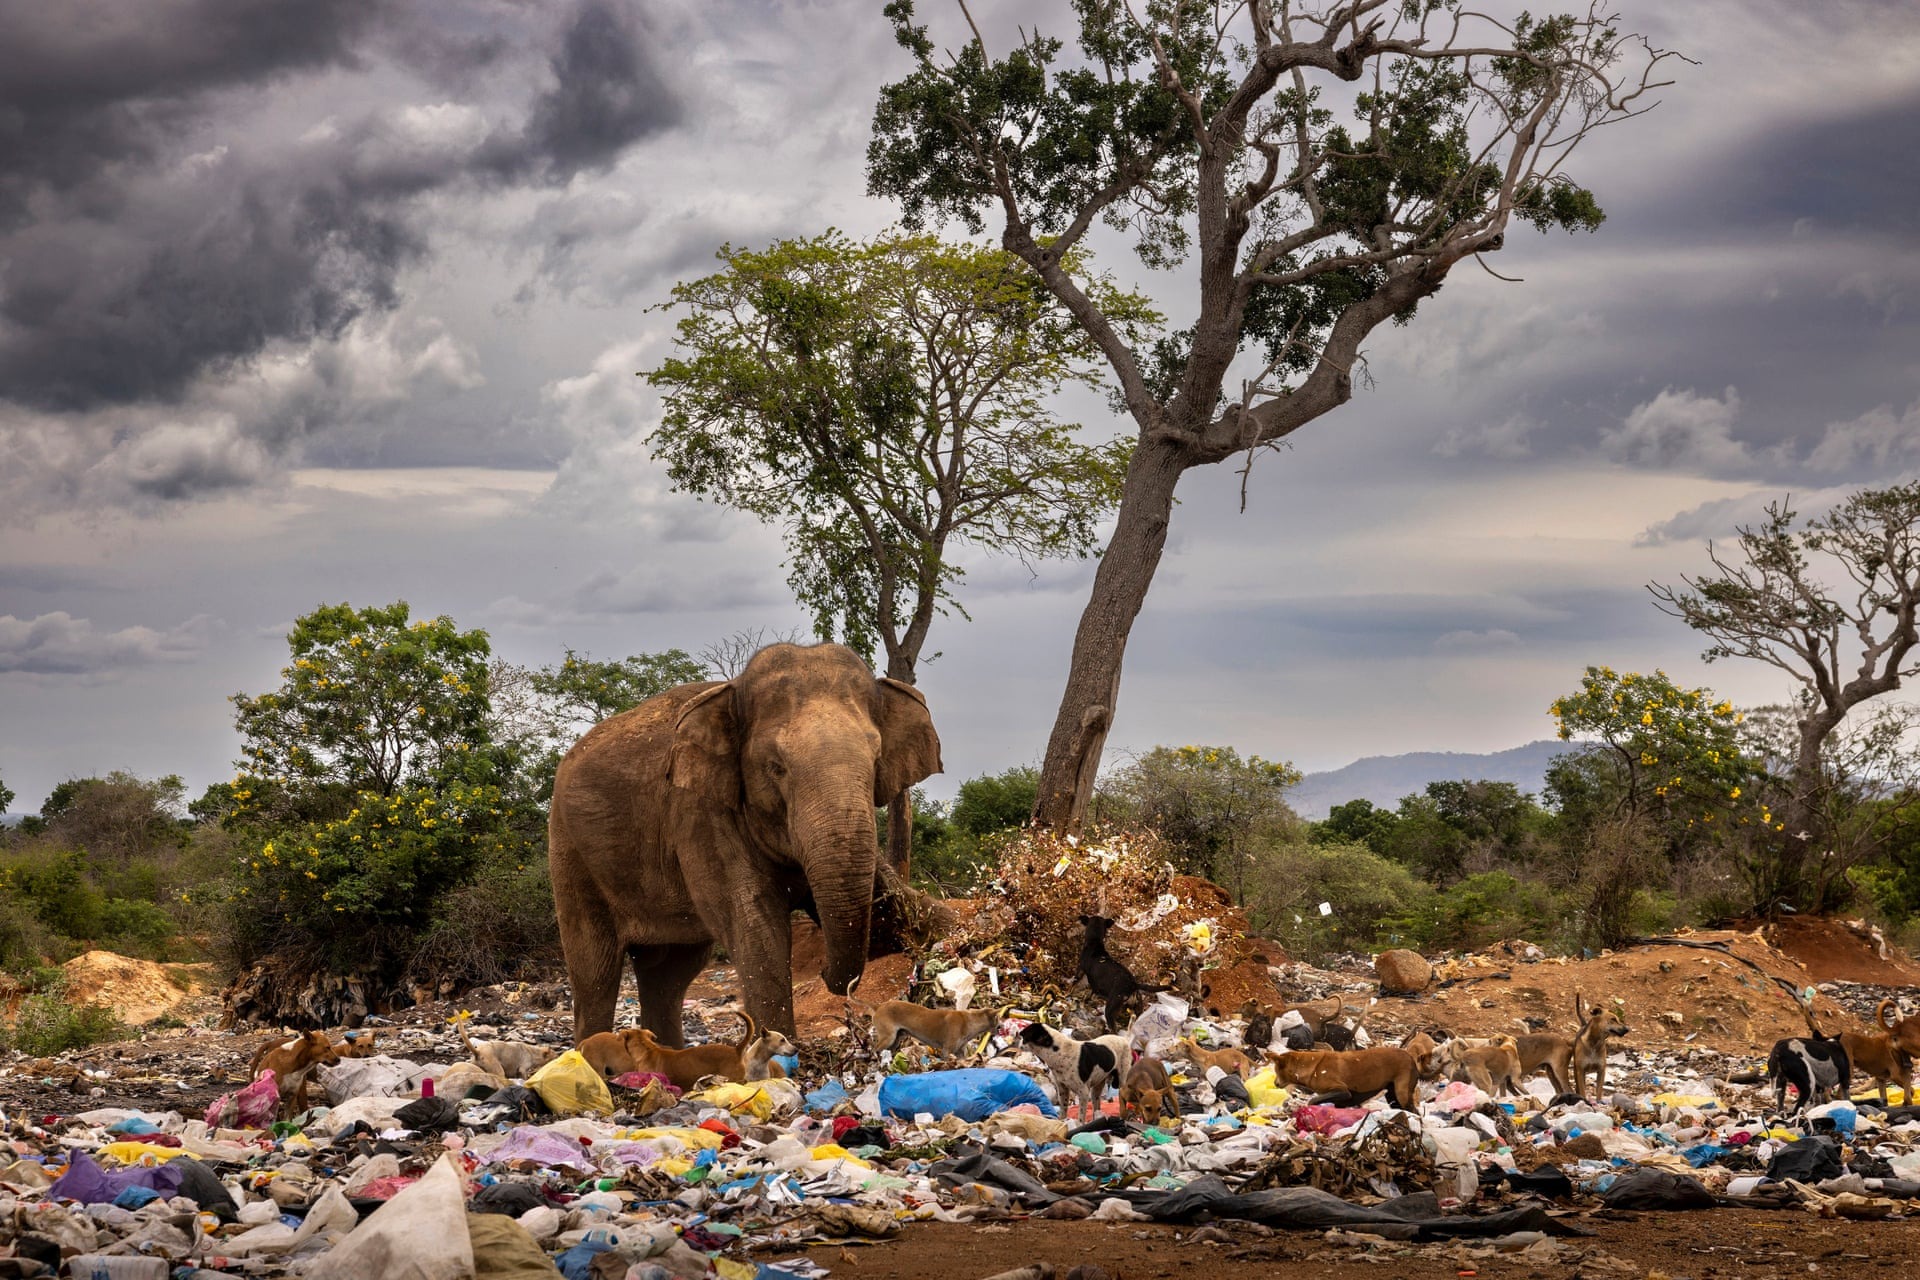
(948, 1030)
(1146, 1086)
(1491, 1066)
(614, 1053)
(362, 1045)
(1230, 1060)
(1361, 1072)
(292, 1063)
(510, 1059)
(1887, 1053)
(1425, 1050)
(1568, 1059)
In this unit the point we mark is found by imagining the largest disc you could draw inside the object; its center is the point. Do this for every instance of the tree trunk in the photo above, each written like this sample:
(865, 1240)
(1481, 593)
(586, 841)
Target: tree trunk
(900, 832)
(1119, 589)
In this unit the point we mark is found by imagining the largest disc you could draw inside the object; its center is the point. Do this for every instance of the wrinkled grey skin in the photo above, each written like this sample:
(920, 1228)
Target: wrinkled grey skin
(709, 813)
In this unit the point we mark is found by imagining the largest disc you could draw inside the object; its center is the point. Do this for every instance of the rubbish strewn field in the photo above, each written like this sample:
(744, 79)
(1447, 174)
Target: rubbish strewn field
(737, 1179)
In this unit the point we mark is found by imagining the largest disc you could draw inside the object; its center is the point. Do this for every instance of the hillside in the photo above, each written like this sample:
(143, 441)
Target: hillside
(1384, 779)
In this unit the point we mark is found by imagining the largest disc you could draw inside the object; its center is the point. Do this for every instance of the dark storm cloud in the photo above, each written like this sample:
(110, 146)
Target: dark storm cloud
(156, 240)
(89, 86)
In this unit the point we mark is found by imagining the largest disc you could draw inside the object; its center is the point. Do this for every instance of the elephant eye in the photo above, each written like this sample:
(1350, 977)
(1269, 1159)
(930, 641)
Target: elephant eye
(777, 768)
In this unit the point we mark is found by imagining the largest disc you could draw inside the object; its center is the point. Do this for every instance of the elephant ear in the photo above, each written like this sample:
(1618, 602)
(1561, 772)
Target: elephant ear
(706, 747)
(909, 748)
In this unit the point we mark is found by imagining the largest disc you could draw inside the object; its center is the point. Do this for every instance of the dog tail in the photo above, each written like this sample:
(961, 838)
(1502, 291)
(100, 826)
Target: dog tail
(1887, 1015)
(748, 1036)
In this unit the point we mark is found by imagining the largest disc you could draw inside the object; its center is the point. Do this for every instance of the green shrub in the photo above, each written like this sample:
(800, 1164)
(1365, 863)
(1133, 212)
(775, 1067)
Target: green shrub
(1478, 911)
(1287, 881)
(47, 1024)
(498, 927)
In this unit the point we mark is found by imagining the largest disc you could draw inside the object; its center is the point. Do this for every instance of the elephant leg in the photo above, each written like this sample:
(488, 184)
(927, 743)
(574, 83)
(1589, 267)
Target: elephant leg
(662, 975)
(761, 948)
(593, 970)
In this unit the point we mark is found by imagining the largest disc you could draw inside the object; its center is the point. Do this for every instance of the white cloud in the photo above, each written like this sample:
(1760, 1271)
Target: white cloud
(1682, 430)
(58, 644)
(1878, 441)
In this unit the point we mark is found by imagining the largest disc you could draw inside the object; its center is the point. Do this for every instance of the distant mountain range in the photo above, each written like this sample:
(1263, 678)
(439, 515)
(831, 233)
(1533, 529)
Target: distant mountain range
(1385, 779)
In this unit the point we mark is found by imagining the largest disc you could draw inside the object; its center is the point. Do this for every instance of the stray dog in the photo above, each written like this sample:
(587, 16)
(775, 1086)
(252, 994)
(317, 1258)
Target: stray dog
(1146, 1087)
(1425, 1050)
(1485, 1065)
(1568, 1059)
(1816, 1067)
(1080, 1068)
(1112, 981)
(1598, 1023)
(948, 1030)
(1362, 1073)
(509, 1059)
(292, 1063)
(1231, 1061)
(1259, 1022)
(1886, 1053)
(358, 1044)
(749, 1058)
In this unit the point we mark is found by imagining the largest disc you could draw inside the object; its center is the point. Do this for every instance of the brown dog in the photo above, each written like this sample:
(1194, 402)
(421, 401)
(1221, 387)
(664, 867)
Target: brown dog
(1317, 1019)
(1425, 1050)
(292, 1063)
(1361, 1072)
(948, 1030)
(509, 1059)
(1491, 1066)
(1146, 1087)
(614, 1053)
(1886, 1053)
(1230, 1060)
(1567, 1060)
(361, 1044)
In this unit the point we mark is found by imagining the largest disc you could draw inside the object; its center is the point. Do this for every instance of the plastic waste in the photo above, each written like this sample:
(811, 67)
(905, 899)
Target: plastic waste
(569, 1085)
(959, 986)
(971, 1094)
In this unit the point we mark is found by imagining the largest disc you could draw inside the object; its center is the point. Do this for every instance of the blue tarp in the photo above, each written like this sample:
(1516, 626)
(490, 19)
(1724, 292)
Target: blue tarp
(971, 1094)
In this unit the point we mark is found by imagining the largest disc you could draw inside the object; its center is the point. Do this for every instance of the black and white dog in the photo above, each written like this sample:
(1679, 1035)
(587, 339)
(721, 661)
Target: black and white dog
(1815, 1066)
(1081, 1069)
(1112, 981)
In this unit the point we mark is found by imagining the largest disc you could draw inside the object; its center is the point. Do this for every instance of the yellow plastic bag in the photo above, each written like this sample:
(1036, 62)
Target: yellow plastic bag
(1684, 1099)
(570, 1085)
(697, 1138)
(142, 1152)
(740, 1099)
(834, 1151)
(1263, 1091)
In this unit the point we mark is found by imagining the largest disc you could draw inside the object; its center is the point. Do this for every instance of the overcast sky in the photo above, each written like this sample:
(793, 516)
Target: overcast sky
(343, 300)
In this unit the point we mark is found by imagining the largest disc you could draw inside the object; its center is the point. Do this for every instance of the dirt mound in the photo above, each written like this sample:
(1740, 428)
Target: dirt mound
(817, 1012)
(1835, 950)
(1673, 997)
(136, 990)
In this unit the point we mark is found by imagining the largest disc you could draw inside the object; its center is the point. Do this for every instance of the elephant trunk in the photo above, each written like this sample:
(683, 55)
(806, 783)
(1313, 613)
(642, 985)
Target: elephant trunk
(838, 844)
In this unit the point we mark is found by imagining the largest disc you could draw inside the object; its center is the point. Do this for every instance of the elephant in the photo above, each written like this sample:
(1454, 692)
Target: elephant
(710, 812)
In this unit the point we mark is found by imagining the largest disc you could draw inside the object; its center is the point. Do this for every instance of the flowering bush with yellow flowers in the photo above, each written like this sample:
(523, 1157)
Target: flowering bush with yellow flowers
(367, 881)
(1674, 754)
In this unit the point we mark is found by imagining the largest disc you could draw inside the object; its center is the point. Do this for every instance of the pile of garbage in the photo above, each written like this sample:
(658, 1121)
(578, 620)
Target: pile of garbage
(417, 1163)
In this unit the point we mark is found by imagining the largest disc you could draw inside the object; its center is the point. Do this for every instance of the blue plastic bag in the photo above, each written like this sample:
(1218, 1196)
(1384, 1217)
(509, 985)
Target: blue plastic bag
(827, 1096)
(971, 1094)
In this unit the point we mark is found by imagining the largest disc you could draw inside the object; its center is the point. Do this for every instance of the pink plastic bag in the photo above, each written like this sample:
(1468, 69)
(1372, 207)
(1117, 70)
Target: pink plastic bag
(253, 1107)
(1327, 1120)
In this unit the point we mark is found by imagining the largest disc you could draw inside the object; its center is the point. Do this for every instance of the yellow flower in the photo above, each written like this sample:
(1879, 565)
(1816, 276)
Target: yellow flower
(1734, 794)
(1646, 717)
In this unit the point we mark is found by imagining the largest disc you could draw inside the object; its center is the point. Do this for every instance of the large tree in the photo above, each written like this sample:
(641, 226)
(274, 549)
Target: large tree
(887, 403)
(1214, 131)
(1835, 603)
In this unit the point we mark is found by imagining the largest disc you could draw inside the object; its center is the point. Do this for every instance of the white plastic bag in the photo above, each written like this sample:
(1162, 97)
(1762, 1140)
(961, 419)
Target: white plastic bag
(959, 986)
(420, 1234)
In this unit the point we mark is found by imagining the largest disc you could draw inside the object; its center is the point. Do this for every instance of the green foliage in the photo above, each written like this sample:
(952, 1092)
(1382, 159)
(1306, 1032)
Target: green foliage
(996, 801)
(881, 401)
(1209, 805)
(1288, 879)
(1678, 750)
(57, 901)
(6, 795)
(1488, 907)
(378, 873)
(47, 1024)
(1357, 821)
(372, 701)
(583, 689)
(498, 926)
